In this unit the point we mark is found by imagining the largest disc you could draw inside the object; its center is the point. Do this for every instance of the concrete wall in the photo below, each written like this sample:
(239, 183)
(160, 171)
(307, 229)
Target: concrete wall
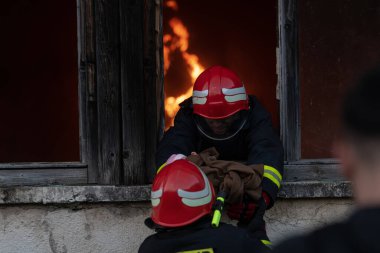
(120, 228)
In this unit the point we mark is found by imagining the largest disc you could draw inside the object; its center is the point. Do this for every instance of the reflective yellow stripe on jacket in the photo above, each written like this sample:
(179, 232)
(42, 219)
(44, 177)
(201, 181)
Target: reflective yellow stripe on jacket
(273, 175)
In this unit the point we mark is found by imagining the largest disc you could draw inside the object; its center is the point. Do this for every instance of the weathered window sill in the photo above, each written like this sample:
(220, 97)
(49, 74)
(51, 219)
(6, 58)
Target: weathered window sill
(316, 189)
(103, 194)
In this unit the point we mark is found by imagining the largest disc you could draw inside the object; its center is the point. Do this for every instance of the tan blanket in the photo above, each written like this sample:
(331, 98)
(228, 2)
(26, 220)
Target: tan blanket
(233, 177)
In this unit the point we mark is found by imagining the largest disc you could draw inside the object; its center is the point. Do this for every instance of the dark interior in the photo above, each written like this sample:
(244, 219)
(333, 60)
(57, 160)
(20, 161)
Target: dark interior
(38, 81)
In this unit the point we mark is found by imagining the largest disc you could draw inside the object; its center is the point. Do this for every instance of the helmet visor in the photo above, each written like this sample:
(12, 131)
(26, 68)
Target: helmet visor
(221, 129)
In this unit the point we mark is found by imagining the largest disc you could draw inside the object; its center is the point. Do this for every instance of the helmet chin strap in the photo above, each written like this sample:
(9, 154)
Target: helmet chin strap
(221, 139)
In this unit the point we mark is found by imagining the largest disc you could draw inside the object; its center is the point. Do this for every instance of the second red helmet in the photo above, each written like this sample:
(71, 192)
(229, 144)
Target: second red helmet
(218, 93)
(181, 194)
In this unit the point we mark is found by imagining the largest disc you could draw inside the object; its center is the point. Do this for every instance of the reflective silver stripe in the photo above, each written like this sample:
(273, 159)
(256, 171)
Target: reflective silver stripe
(156, 194)
(198, 194)
(273, 175)
(197, 202)
(198, 198)
(270, 168)
(200, 93)
(155, 197)
(234, 98)
(155, 202)
(234, 91)
(199, 101)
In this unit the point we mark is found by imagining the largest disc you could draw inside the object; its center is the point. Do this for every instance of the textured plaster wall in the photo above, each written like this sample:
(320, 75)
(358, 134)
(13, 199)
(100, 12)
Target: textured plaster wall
(120, 228)
(86, 228)
(291, 217)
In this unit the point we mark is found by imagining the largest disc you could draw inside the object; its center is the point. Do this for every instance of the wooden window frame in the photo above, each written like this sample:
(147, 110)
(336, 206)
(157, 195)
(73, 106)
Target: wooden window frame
(119, 46)
(296, 169)
(120, 88)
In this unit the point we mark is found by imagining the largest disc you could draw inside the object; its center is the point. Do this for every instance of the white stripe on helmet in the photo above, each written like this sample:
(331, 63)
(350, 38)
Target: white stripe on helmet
(197, 202)
(235, 98)
(200, 97)
(156, 194)
(198, 198)
(155, 197)
(155, 202)
(200, 93)
(199, 101)
(234, 91)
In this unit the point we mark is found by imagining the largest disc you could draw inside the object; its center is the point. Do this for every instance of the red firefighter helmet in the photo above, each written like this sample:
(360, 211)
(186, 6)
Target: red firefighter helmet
(181, 194)
(218, 93)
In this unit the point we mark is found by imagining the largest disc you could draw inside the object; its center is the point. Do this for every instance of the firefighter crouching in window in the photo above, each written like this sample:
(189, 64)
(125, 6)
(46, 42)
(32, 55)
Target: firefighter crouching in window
(220, 114)
(182, 199)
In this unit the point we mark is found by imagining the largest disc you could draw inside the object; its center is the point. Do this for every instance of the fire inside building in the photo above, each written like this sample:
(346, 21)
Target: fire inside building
(200, 34)
(243, 36)
(88, 87)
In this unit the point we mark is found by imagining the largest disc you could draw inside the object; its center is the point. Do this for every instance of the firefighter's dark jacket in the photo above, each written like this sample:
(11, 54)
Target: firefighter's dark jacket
(360, 233)
(256, 143)
(200, 237)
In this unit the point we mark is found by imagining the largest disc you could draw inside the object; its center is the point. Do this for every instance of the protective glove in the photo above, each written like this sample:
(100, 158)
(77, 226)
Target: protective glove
(243, 211)
(267, 199)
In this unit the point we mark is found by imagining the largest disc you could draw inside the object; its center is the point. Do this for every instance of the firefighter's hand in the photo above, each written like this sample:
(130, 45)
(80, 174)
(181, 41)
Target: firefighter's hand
(242, 212)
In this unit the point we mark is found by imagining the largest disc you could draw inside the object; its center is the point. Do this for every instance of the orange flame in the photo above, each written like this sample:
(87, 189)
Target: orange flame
(172, 4)
(179, 41)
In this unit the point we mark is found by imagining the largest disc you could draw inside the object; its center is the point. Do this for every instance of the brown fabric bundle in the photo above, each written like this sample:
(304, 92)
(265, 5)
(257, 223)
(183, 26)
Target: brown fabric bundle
(232, 177)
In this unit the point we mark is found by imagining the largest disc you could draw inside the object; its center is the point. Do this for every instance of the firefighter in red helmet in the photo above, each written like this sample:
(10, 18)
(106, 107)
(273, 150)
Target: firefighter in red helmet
(182, 198)
(181, 194)
(219, 100)
(220, 114)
